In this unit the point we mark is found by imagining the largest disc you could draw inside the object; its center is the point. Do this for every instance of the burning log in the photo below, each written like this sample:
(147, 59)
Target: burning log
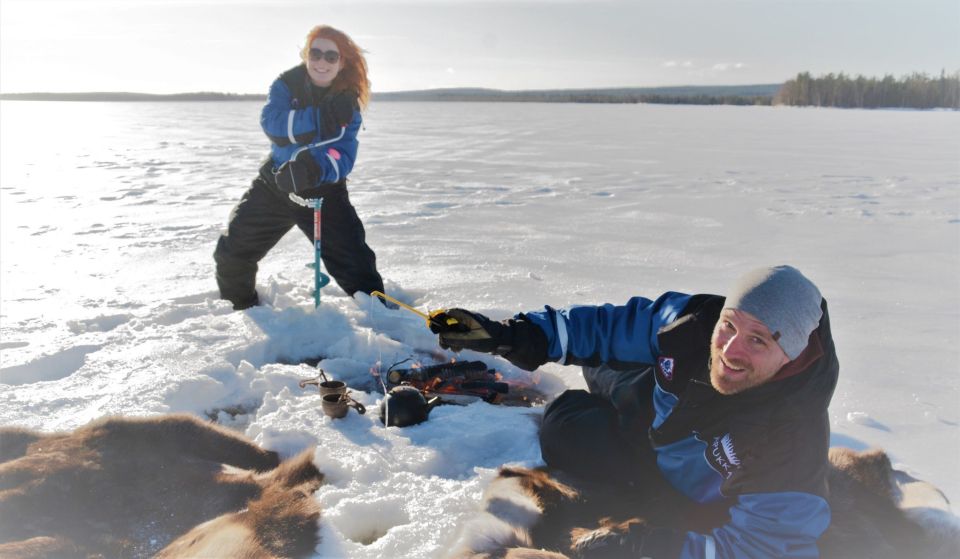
(470, 370)
(472, 378)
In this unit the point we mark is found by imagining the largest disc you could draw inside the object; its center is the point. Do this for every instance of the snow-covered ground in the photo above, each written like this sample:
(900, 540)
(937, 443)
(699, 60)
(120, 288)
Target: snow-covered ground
(110, 213)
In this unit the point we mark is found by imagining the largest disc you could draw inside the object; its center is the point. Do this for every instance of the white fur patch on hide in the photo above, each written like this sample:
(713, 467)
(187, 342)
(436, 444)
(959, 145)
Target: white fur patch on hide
(509, 513)
(927, 506)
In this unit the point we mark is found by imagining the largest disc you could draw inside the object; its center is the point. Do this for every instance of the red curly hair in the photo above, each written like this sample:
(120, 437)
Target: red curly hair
(353, 66)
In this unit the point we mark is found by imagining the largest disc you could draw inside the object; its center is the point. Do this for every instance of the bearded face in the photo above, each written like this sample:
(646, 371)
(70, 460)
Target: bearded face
(743, 353)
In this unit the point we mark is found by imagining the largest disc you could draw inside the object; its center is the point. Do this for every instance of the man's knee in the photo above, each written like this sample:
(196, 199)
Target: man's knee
(580, 434)
(629, 390)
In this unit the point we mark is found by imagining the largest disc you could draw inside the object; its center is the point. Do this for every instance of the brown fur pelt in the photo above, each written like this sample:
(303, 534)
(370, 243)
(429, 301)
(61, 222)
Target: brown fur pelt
(877, 512)
(127, 487)
(882, 513)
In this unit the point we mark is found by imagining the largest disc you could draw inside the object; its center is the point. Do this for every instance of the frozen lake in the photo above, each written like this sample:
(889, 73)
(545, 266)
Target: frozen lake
(109, 214)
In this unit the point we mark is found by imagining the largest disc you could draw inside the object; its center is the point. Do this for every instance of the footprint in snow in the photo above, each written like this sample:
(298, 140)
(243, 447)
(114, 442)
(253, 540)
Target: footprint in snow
(49, 367)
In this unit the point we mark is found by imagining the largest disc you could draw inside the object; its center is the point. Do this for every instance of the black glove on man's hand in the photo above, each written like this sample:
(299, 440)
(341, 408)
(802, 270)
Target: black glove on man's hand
(470, 330)
(634, 538)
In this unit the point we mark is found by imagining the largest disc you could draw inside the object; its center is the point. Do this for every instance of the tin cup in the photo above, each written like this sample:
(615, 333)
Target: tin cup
(336, 405)
(332, 387)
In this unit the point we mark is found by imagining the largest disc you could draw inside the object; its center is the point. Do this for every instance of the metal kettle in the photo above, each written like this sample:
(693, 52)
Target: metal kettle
(405, 405)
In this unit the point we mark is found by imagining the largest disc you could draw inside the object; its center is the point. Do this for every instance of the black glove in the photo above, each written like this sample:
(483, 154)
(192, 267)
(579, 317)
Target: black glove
(298, 175)
(461, 329)
(336, 110)
(634, 538)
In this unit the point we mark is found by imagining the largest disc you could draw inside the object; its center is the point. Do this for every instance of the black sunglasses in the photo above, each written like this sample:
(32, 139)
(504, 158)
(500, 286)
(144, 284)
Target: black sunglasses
(330, 56)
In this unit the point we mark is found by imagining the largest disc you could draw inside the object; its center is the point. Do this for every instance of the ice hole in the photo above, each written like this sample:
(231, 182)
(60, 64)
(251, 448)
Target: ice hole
(367, 522)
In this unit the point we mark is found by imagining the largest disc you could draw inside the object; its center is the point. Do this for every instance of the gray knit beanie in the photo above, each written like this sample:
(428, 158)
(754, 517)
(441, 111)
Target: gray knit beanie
(784, 300)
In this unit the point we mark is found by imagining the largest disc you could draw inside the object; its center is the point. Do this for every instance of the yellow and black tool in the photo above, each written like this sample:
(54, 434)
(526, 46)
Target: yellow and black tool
(437, 318)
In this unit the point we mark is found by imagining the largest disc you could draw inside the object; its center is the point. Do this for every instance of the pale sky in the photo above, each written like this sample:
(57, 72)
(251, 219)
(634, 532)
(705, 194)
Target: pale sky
(171, 46)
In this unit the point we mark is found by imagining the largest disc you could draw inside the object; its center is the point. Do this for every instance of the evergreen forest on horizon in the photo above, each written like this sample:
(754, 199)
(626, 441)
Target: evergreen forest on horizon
(916, 91)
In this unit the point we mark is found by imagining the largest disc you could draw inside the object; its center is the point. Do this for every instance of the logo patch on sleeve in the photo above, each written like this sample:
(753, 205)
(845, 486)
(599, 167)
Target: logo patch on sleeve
(666, 367)
(722, 456)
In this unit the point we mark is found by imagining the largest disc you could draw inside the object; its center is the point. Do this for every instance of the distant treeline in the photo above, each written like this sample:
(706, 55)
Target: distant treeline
(686, 95)
(691, 95)
(916, 91)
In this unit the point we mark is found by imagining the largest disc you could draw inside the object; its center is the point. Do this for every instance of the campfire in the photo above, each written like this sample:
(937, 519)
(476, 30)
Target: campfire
(466, 381)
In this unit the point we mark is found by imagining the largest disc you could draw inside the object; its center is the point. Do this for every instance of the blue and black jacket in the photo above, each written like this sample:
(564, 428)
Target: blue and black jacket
(763, 452)
(311, 125)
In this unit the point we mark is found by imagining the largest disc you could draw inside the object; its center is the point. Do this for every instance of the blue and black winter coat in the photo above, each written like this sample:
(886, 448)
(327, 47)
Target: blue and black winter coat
(311, 125)
(763, 451)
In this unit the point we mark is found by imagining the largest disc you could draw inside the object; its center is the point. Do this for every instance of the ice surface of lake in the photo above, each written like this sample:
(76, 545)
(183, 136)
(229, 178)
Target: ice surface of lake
(110, 213)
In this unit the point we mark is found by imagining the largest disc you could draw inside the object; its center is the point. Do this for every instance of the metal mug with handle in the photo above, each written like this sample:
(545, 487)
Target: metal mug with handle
(337, 405)
(332, 387)
(324, 384)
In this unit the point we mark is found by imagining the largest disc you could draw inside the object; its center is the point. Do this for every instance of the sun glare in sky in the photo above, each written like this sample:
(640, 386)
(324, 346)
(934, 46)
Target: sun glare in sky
(212, 45)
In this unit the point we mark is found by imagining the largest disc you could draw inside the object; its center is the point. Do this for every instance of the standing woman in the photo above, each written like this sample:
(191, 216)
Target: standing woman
(312, 117)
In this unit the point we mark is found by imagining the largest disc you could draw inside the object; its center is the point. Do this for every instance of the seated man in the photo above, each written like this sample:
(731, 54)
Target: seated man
(723, 398)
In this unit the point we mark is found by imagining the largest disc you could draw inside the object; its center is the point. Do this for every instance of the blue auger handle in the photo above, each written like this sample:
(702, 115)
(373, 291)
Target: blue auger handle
(319, 278)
